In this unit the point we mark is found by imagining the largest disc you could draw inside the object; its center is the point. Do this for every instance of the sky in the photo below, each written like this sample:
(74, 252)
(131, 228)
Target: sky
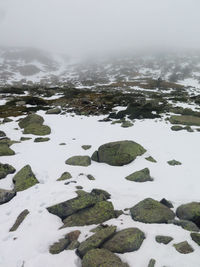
(94, 26)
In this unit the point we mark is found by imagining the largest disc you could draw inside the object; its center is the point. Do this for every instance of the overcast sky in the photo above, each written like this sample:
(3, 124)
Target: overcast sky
(82, 26)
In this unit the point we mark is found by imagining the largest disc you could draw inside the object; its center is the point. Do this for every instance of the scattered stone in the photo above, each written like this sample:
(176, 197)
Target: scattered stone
(79, 161)
(86, 147)
(152, 263)
(167, 203)
(24, 179)
(79, 187)
(59, 246)
(151, 159)
(73, 245)
(70, 182)
(96, 240)
(37, 129)
(90, 177)
(185, 120)
(6, 195)
(176, 128)
(41, 139)
(5, 150)
(53, 111)
(102, 257)
(163, 239)
(174, 162)
(188, 129)
(65, 176)
(151, 211)
(118, 153)
(100, 192)
(140, 176)
(2, 134)
(25, 138)
(6, 169)
(5, 120)
(187, 225)
(62, 144)
(19, 220)
(31, 119)
(190, 212)
(126, 240)
(126, 124)
(183, 247)
(196, 238)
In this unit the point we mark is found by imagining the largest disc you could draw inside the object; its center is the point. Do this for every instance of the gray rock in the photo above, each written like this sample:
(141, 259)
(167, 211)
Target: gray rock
(163, 239)
(196, 238)
(152, 263)
(53, 111)
(64, 176)
(19, 220)
(187, 225)
(79, 161)
(183, 247)
(190, 212)
(86, 147)
(6, 195)
(174, 162)
(6, 169)
(140, 176)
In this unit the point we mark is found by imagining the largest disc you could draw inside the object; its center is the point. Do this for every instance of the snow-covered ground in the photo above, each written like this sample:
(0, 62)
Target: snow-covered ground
(180, 184)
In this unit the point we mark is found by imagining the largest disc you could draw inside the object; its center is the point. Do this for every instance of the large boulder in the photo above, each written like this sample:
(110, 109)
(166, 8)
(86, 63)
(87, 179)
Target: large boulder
(187, 225)
(5, 150)
(53, 111)
(6, 195)
(79, 161)
(118, 153)
(185, 120)
(37, 129)
(31, 119)
(140, 176)
(24, 179)
(127, 240)
(190, 212)
(151, 211)
(102, 257)
(6, 169)
(196, 238)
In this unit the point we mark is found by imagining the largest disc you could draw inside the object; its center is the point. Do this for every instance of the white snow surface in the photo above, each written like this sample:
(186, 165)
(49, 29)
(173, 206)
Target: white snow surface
(180, 184)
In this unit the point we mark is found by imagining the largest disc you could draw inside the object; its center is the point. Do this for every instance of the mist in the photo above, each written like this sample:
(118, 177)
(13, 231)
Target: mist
(80, 27)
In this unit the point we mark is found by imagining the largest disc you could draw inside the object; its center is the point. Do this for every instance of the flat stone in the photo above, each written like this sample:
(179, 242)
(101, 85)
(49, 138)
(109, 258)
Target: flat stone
(183, 247)
(19, 220)
(6, 195)
(6, 169)
(79, 161)
(140, 176)
(163, 239)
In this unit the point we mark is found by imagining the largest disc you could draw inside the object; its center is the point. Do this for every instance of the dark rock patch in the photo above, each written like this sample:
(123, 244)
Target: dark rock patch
(19, 220)
(6, 169)
(79, 161)
(6, 195)
(163, 239)
(140, 176)
(183, 247)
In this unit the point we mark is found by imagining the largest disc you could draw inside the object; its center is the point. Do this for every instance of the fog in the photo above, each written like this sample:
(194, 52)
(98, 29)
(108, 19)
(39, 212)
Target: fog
(79, 27)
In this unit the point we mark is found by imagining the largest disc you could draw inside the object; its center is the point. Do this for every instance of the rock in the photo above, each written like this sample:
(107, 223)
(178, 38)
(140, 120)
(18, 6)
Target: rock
(187, 225)
(6, 169)
(190, 212)
(62, 144)
(102, 257)
(79, 161)
(96, 240)
(7, 120)
(196, 238)
(188, 129)
(6, 195)
(24, 179)
(41, 139)
(151, 211)
(64, 176)
(2, 134)
(126, 124)
(31, 119)
(79, 187)
(152, 263)
(126, 240)
(177, 128)
(183, 247)
(174, 162)
(167, 203)
(37, 129)
(99, 213)
(100, 192)
(185, 120)
(86, 147)
(73, 245)
(5, 150)
(19, 220)
(118, 153)
(140, 176)
(25, 138)
(73, 236)
(59, 246)
(163, 239)
(151, 159)
(53, 111)
(90, 177)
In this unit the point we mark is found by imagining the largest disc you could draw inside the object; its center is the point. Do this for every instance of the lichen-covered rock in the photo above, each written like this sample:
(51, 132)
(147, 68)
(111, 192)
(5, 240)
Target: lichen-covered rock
(151, 159)
(176, 128)
(31, 119)
(53, 111)
(59, 246)
(187, 225)
(25, 138)
(79, 161)
(6, 195)
(5, 150)
(19, 220)
(174, 162)
(151, 211)
(6, 169)
(152, 263)
(90, 177)
(37, 129)
(185, 120)
(24, 179)
(183, 247)
(126, 124)
(118, 153)
(2, 134)
(140, 176)
(96, 240)
(163, 239)
(127, 240)
(196, 238)
(64, 176)
(99, 213)
(86, 147)
(190, 212)
(100, 192)
(41, 139)
(102, 257)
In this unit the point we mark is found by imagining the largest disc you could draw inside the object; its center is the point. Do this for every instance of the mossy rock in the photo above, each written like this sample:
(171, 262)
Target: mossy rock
(24, 179)
(64, 176)
(19, 220)
(99, 213)
(31, 119)
(152, 263)
(5, 150)
(6, 169)
(174, 162)
(25, 138)
(53, 111)
(86, 147)
(5, 120)
(126, 124)
(151, 211)
(41, 139)
(100, 192)
(79, 161)
(140, 176)
(6, 195)
(2, 134)
(96, 240)
(163, 239)
(118, 153)
(167, 203)
(196, 238)
(183, 247)
(185, 120)
(59, 246)
(90, 177)
(102, 258)
(127, 240)
(190, 212)
(187, 225)
(37, 129)
(176, 128)
(151, 159)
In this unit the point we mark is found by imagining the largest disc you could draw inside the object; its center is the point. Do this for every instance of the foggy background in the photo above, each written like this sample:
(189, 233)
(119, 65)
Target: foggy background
(80, 27)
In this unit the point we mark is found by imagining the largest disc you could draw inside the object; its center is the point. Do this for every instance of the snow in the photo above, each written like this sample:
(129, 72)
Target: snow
(30, 243)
